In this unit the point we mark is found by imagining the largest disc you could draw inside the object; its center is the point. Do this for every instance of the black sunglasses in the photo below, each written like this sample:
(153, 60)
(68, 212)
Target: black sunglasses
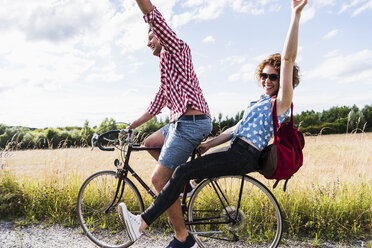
(272, 77)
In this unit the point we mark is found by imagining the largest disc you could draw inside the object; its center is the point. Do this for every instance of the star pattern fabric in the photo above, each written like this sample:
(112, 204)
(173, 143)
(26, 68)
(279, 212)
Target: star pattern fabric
(257, 123)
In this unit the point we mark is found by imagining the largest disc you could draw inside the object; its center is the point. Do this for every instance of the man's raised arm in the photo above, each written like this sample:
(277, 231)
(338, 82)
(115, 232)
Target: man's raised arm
(145, 6)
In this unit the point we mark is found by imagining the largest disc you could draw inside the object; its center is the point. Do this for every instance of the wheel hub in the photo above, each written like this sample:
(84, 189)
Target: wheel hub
(236, 222)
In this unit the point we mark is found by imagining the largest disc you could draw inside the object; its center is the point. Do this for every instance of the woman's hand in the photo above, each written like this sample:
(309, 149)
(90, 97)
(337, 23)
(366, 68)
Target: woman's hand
(298, 5)
(203, 148)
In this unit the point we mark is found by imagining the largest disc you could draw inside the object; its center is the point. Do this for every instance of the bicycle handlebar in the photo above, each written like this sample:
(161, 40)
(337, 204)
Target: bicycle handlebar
(121, 133)
(100, 137)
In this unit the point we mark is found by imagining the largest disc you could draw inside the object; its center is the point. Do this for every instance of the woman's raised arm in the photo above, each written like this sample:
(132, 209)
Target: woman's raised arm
(289, 53)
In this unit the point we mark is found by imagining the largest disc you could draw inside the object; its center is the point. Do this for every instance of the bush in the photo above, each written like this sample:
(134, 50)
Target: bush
(335, 120)
(12, 199)
(325, 128)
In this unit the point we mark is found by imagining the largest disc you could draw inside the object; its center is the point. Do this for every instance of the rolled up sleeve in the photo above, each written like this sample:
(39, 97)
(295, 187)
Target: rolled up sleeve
(158, 103)
(167, 37)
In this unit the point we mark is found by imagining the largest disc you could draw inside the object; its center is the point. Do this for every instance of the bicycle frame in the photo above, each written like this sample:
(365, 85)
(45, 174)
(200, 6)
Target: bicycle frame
(123, 173)
(127, 168)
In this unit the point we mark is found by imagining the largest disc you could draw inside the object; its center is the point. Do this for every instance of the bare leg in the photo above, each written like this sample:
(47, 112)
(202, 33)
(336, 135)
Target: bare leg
(159, 179)
(143, 225)
(156, 139)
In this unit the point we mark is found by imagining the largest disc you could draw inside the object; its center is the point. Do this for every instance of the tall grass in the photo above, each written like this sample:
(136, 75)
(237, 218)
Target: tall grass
(330, 197)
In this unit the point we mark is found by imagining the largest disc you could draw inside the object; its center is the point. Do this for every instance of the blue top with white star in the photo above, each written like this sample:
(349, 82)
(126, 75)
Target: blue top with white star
(257, 123)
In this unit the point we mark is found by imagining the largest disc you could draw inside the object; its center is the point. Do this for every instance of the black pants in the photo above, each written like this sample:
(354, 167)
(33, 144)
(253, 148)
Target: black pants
(240, 159)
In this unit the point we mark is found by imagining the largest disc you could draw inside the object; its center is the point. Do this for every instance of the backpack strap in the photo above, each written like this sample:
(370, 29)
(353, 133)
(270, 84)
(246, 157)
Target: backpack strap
(285, 184)
(275, 117)
(276, 127)
(275, 184)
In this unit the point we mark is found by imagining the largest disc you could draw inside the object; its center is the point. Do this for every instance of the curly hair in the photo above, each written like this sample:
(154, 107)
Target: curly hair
(275, 60)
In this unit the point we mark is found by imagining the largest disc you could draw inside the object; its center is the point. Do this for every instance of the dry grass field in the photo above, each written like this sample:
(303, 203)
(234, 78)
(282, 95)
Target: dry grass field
(329, 197)
(327, 159)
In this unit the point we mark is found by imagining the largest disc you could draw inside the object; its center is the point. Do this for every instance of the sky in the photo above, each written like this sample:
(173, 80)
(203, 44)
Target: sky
(63, 62)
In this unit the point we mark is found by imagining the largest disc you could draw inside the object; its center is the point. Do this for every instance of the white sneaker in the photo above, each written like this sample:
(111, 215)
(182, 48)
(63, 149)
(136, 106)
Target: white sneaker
(132, 222)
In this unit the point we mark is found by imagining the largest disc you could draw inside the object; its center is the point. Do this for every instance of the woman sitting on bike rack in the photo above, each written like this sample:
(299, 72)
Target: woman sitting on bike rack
(277, 75)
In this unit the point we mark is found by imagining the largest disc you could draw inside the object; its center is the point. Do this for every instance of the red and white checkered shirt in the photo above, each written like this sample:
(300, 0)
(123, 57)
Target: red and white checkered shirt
(179, 84)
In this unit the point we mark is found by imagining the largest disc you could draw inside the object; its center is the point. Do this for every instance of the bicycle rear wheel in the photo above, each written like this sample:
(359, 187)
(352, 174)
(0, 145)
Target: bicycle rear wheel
(98, 216)
(215, 213)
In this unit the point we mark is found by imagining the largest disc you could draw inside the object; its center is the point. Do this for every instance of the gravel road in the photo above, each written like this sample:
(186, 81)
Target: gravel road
(58, 237)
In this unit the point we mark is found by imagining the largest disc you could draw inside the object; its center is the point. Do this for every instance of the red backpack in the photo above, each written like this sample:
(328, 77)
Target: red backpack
(283, 157)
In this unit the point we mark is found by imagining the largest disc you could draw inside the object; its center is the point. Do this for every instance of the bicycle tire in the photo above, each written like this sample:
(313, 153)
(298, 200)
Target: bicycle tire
(95, 196)
(258, 221)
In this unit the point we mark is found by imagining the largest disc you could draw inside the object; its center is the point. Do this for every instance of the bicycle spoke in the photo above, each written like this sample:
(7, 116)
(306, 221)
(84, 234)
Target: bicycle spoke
(97, 212)
(234, 211)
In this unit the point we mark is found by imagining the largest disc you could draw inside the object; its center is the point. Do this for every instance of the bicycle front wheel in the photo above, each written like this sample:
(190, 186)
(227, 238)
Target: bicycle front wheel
(97, 208)
(236, 211)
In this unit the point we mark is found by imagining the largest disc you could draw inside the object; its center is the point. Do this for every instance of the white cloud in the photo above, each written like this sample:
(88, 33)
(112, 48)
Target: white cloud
(362, 8)
(66, 42)
(331, 34)
(209, 39)
(309, 11)
(57, 55)
(211, 10)
(135, 66)
(232, 102)
(332, 53)
(104, 74)
(193, 3)
(356, 7)
(48, 108)
(40, 62)
(201, 70)
(323, 3)
(352, 68)
(182, 19)
(308, 14)
(246, 73)
(54, 20)
(346, 6)
(233, 60)
(255, 7)
(200, 10)
(275, 8)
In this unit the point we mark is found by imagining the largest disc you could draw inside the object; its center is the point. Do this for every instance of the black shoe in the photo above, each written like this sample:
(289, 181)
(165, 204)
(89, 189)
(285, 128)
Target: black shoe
(189, 243)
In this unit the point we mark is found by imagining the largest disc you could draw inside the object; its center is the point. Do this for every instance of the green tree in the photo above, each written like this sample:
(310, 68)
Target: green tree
(367, 113)
(107, 124)
(356, 121)
(86, 134)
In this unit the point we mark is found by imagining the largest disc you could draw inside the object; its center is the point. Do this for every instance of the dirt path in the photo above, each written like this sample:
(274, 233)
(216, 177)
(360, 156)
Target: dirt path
(58, 237)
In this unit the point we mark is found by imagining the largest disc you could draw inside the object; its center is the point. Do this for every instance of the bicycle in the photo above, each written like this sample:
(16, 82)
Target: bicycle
(231, 209)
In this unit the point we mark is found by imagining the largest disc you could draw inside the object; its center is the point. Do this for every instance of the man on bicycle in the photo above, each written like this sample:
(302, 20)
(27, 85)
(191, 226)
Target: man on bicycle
(189, 113)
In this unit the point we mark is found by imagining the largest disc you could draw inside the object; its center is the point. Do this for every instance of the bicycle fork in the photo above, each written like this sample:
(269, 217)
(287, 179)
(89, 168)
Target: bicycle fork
(120, 188)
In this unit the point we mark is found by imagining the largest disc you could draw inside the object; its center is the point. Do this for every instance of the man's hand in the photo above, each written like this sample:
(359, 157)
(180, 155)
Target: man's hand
(203, 148)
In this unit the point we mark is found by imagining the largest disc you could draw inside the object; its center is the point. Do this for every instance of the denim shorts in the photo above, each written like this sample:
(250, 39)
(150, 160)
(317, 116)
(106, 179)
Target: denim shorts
(181, 138)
